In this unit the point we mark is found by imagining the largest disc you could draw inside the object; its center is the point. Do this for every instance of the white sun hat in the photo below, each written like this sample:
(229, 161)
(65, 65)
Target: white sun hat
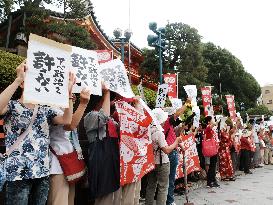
(160, 115)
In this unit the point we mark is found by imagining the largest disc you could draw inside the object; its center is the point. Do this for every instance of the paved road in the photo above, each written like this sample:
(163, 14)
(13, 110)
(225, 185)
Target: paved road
(255, 189)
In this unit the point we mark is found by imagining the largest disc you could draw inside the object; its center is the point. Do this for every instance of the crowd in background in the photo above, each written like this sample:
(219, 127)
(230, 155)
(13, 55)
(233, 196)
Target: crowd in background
(35, 174)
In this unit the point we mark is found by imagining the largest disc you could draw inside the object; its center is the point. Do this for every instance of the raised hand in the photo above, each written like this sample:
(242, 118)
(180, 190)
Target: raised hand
(71, 82)
(20, 70)
(85, 96)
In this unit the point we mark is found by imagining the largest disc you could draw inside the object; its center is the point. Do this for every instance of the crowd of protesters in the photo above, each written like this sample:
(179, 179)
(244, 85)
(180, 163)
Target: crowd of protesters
(35, 175)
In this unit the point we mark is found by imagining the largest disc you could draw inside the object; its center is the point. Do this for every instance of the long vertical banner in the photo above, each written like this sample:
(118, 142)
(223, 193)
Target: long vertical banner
(207, 99)
(161, 95)
(171, 80)
(191, 154)
(136, 149)
(231, 107)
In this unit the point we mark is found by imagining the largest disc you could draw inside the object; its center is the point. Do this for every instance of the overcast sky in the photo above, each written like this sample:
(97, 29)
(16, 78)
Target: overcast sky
(244, 27)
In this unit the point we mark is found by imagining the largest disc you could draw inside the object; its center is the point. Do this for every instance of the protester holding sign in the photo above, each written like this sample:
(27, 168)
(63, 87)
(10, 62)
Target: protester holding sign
(104, 161)
(159, 177)
(27, 169)
(64, 142)
(211, 161)
(170, 136)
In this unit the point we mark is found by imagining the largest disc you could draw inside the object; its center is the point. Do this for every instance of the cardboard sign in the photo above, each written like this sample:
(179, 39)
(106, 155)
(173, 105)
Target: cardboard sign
(85, 66)
(191, 91)
(196, 118)
(161, 95)
(47, 76)
(176, 103)
(114, 74)
(136, 149)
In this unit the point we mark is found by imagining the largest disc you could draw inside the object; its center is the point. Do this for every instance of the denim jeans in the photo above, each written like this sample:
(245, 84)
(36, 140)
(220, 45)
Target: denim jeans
(173, 157)
(27, 192)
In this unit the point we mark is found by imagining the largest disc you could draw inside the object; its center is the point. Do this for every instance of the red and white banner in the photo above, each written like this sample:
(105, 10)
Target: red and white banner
(171, 80)
(231, 107)
(207, 101)
(104, 56)
(136, 149)
(191, 154)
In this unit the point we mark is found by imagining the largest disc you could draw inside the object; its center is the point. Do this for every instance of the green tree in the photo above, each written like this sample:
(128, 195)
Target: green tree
(183, 52)
(150, 65)
(225, 68)
(71, 8)
(259, 110)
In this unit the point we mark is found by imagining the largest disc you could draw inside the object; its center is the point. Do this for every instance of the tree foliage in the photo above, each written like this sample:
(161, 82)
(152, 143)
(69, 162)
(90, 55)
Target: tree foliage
(225, 68)
(71, 8)
(8, 64)
(259, 110)
(183, 52)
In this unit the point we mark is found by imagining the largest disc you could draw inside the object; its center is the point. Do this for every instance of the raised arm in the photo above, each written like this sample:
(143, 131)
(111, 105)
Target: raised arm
(7, 94)
(106, 100)
(77, 116)
(170, 148)
(66, 118)
(182, 109)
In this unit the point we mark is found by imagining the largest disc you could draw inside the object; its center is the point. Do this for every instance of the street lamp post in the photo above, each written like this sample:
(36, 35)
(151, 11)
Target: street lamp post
(124, 39)
(158, 42)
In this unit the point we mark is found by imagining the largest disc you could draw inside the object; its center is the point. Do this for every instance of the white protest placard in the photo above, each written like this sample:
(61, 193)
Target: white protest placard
(196, 118)
(145, 106)
(191, 91)
(85, 66)
(141, 91)
(223, 123)
(176, 103)
(47, 76)
(114, 74)
(161, 95)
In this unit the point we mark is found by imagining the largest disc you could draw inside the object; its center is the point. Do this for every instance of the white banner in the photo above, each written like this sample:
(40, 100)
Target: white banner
(114, 74)
(145, 106)
(161, 95)
(141, 91)
(47, 76)
(176, 103)
(196, 118)
(191, 91)
(85, 66)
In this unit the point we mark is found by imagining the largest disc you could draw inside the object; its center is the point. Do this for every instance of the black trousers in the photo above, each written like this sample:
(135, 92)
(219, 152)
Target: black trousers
(211, 176)
(245, 160)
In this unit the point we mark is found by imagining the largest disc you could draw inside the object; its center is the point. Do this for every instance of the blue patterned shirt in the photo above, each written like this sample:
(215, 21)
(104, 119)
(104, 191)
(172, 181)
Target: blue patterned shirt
(31, 159)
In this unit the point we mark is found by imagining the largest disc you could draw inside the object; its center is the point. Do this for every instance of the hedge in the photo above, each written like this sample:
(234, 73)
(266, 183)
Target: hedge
(8, 64)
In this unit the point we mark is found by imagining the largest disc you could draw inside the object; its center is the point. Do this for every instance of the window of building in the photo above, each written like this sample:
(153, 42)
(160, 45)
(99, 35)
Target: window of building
(269, 102)
(266, 91)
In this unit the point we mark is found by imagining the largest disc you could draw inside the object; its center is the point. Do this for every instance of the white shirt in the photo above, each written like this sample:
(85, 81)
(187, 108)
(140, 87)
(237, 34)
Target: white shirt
(59, 141)
(158, 139)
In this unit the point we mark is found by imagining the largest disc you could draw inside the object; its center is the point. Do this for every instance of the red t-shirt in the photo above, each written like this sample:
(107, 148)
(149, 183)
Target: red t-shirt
(245, 143)
(169, 130)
